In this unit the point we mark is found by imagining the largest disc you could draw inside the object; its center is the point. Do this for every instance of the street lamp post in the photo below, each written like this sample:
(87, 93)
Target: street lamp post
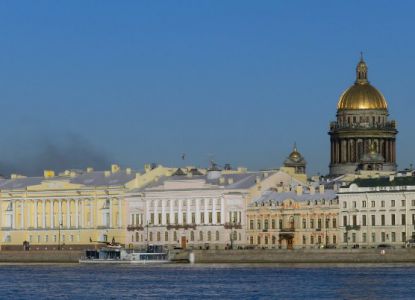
(59, 236)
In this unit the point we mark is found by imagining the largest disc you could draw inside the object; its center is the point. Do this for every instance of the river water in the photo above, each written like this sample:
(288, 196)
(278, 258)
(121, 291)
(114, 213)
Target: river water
(73, 281)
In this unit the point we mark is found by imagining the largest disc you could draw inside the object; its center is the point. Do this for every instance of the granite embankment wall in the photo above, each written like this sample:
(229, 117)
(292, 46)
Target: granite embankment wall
(304, 256)
(41, 256)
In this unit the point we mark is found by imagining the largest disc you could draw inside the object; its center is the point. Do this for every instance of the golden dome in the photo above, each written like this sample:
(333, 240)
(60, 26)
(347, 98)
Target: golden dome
(295, 155)
(362, 95)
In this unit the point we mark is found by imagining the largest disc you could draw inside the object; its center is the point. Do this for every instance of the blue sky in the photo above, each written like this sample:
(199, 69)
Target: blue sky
(132, 82)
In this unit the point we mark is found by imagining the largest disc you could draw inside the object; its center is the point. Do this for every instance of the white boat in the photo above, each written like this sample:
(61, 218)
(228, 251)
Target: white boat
(119, 255)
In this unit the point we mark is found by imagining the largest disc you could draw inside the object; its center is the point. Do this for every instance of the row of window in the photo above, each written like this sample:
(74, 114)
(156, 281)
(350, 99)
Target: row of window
(392, 220)
(364, 203)
(374, 238)
(54, 238)
(313, 223)
(313, 240)
(157, 236)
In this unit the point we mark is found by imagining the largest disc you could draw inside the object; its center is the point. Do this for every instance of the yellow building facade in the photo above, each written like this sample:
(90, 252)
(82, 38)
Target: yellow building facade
(76, 209)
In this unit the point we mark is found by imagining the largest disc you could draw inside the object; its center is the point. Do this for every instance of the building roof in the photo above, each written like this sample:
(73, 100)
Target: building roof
(384, 181)
(274, 197)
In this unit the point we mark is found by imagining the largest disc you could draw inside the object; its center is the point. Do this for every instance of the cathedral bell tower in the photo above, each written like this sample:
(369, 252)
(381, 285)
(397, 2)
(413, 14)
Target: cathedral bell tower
(362, 127)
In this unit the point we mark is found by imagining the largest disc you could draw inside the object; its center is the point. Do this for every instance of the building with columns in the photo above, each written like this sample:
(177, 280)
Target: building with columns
(362, 127)
(76, 209)
(197, 209)
(293, 217)
(377, 211)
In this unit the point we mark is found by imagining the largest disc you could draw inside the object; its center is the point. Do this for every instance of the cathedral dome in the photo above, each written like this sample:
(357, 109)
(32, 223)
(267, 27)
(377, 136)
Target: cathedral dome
(362, 95)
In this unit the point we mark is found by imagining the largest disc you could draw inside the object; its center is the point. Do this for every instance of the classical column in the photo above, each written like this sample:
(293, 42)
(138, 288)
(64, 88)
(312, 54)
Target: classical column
(68, 213)
(214, 211)
(60, 220)
(36, 213)
(180, 211)
(197, 211)
(22, 214)
(82, 203)
(111, 211)
(51, 213)
(148, 203)
(206, 211)
(171, 212)
(77, 213)
(91, 213)
(44, 213)
(14, 214)
(222, 210)
(120, 213)
(155, 210)
(188, 215)
(163, 212)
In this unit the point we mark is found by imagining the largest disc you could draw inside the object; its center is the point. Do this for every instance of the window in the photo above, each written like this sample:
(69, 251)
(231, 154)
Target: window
(392, 203)
(403, 239)
(46, 238)
(273, 239)
(217, 235)
(136, 237)
(259, 240)
(168, 218)
(304, 240)
(158, 236)
(200, 235)
(192, 235)
(210, 217)
(344, 220)
(194, 218)
(266, 240)
(364, 238)
(382, 203)
(364, 220)
(383, 237)
(184, 220)
(280, 223)
(393, 219)
(334, 222)
(354, 220)
(166, 236)
(393, 236)
(312, 240)
(382, 220)
(266, 224)
(403, 219)
(413, 202)
(152, 218)
(319, 223)
(175, 235)
(354, 204)
(71, 237)
(345, 237)
(334, 239)
(373, 220)
(159, 219)
(304, 223)
(413, 219)
(311, 223)
(151, 236)
(54, 238)
(354, 237)
(209, 236)
(218, 220)
(363, 203)
(202, 218)
(251, 224)
(273, 223)
(373, 237)
(258, 224)
(344, 204)
(373, 204)
(176, 218)
(319, 239)
(251, 240)
(403, 203)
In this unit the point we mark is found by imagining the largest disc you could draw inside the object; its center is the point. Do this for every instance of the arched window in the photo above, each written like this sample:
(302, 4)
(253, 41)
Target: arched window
(266, 224)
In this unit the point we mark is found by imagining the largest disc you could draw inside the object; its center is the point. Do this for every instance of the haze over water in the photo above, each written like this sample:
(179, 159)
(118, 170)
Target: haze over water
(72, 281)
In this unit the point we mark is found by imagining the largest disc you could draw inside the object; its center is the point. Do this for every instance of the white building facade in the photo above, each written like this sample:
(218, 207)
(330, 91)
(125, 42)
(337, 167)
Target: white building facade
(377, 211)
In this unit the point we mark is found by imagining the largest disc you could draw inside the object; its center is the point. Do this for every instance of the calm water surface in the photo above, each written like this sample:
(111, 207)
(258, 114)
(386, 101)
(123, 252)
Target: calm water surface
(72, 281)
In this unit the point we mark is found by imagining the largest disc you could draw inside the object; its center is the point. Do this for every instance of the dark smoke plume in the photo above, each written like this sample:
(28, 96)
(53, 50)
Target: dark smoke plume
(70, 152)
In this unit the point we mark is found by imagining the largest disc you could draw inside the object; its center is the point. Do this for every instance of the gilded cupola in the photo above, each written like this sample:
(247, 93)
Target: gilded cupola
(362, 95)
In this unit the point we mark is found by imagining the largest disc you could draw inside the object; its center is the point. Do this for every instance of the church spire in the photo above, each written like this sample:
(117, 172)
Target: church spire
(361, 71)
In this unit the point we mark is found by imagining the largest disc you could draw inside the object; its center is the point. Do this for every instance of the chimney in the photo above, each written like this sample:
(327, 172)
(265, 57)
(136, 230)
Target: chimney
(299, 190)
(321, 189)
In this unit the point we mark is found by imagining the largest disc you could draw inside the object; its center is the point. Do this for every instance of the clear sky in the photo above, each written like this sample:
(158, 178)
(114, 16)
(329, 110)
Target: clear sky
(89, 83)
